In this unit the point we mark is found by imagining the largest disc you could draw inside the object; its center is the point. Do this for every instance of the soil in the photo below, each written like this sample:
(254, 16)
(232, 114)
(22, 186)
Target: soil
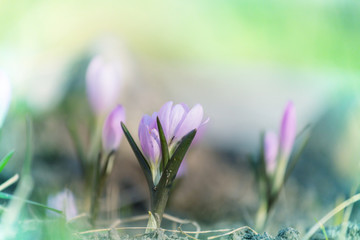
(333, 233)
(284, 234)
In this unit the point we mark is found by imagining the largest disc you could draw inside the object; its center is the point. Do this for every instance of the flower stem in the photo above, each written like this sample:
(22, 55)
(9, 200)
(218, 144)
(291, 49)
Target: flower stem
(279, 176)
(95, 191)
(159, 199)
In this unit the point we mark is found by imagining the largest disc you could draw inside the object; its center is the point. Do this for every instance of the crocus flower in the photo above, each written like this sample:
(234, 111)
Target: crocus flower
(64, 201)
(177, 121)
(103, 82)
(112, 132)
(5, 96)
(287, 130)
(276, 148)
(271, 146)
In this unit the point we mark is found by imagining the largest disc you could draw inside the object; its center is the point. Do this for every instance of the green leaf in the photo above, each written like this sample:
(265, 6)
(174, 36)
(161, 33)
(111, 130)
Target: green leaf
(140, 157)
(164, 146)
(5, 160)
(12, 197)
(173, 165)
(295, 157)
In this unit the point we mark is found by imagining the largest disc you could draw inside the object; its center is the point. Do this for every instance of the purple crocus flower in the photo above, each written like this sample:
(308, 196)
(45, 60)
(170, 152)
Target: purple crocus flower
(177, 121)
(287, 130)
(279, 148)
(112, 132)
(5, 96)
(103, 83)
(271, 146)
(63, 201)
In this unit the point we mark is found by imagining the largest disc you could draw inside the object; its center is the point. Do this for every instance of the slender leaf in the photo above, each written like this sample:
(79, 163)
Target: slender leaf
(302, 131)
(173, 165)
(164, 146)
(296, 157)
(12, 197)
(5, 160)
(140, 157)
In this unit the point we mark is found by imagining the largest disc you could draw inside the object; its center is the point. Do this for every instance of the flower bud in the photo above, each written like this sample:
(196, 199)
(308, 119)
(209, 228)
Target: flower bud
(103, 83)
(112, 132)
(271, 146)
(288, 130)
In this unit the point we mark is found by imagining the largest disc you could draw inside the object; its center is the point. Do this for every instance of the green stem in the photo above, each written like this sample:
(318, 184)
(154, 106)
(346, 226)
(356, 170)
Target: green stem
(279, 175)
(100, 178)
(95, 192)
(95, 139)
(159, 199)
(261, 216)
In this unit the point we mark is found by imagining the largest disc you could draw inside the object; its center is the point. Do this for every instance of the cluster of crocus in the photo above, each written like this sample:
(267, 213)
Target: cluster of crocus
(5, 96)
(165, 137)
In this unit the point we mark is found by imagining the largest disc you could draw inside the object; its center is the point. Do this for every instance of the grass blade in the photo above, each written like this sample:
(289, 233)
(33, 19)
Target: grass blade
(5, 160)
(328, 216)
(140, 157)
(164, 146)
(12, 197)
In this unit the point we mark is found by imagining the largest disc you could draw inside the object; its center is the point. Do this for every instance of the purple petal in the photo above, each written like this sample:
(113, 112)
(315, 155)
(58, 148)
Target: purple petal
(192, 121)
(5, 96)
(103, 82)
(144, 135)
(153, 122)
(186, 107)
(271, 146)
(200, 131)
(112, 132)
(182, 169)
(177, 116)
(164, 117)
(155, 143)
(288, 130)
(149, 139)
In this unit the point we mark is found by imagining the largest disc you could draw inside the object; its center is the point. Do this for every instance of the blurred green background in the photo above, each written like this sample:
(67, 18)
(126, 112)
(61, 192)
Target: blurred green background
(241, 59)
